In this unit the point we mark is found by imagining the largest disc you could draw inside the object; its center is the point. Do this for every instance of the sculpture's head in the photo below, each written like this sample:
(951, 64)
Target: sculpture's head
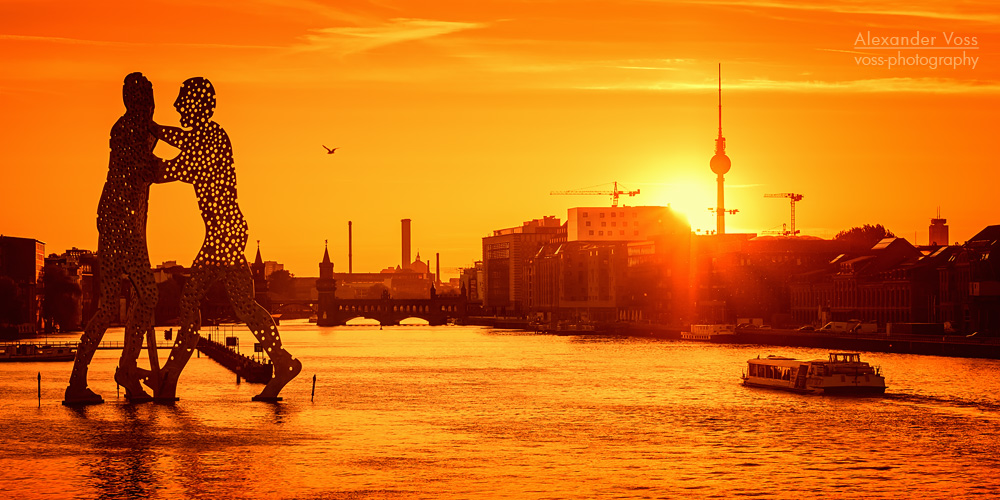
(195, 102)
(137, 93)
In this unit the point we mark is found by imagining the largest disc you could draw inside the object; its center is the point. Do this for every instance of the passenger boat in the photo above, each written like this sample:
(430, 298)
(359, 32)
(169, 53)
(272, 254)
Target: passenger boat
(37, 352)
(842, 373)
(711, 333)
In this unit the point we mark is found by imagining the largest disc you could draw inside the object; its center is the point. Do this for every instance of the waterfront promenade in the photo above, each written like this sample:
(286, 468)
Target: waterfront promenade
(936, 345)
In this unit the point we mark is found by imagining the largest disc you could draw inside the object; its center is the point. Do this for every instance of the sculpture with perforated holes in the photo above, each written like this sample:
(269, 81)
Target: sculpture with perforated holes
(206, 161)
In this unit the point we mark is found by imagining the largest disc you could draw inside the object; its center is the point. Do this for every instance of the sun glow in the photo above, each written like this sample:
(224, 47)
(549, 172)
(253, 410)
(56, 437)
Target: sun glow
(691, 197)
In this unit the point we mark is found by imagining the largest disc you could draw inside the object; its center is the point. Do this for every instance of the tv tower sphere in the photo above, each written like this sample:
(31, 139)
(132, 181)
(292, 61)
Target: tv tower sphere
(720, 164)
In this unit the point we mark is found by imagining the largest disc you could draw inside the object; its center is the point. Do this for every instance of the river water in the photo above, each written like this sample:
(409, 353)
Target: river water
(470, 412)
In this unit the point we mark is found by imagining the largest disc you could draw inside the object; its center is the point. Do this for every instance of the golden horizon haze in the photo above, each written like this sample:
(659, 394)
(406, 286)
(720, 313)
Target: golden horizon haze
(463, 116)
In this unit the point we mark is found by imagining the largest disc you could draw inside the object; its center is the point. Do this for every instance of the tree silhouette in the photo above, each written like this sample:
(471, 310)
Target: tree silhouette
(61, 304)
(280, 283)
(864, 236)
(10, 304)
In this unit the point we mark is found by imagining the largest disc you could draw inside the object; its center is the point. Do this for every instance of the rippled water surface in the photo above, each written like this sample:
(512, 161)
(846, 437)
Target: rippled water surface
(468, 412)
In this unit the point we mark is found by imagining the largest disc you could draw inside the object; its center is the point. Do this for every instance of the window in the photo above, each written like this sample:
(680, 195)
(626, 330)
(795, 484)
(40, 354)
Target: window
(600, 233)
(636, 233)
(622, 233)
(585, 214)
(602, 215)
(588, 222)
(635, 214)
(604, 224)
(622, 214)
(591, 232)
(624, 223)
(613, 214)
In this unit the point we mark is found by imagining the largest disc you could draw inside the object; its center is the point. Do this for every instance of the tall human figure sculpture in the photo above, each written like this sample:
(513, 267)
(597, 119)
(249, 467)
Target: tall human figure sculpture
(206, 161)
(121, 245)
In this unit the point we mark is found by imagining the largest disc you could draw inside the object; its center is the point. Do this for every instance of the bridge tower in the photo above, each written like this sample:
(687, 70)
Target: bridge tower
(326, 287)
(259, 281)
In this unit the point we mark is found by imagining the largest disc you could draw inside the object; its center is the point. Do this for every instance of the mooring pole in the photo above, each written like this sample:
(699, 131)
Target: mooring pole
(40, 389)
(314, 389)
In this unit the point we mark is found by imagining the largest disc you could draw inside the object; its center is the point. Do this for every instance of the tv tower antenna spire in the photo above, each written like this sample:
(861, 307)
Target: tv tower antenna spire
(720, 165)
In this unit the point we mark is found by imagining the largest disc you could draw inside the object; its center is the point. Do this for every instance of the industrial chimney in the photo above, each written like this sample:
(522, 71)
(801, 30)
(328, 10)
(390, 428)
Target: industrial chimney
(406, 244)
(350, 248)
(437, 263)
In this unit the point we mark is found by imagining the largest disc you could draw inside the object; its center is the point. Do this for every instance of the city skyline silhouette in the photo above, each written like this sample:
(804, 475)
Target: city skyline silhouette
(450, 121)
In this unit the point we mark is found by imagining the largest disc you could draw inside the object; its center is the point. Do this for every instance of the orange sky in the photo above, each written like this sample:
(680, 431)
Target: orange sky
(463, 116)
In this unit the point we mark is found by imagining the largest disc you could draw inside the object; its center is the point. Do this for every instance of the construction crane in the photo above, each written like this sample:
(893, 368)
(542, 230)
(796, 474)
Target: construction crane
(792, 197)
(614, 193)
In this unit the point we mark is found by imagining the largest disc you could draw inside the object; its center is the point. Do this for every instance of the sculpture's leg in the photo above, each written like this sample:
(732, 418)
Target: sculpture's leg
(239, 285)
(77, 393)
(187, 338)
(140, 321)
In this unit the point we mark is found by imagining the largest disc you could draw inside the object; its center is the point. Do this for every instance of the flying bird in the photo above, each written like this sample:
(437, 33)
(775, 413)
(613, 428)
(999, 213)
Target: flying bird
(330, 151)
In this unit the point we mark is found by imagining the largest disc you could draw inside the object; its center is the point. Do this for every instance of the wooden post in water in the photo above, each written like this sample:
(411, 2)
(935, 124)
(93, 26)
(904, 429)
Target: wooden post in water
(314, 389)
(39, 389)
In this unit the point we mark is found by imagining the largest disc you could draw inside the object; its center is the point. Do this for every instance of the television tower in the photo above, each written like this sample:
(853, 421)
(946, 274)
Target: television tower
(720, 165)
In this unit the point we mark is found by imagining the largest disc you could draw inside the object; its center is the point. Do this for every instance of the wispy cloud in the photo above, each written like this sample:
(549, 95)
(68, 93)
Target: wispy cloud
(875, 85)
(650, 65)
(316, 9)
(111, 43)
(984, 14)
(351, 40)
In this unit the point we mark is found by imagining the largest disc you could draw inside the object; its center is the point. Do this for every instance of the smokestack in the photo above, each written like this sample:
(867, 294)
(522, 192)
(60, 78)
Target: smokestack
(437, 263)
(350, 248)
(406, 244)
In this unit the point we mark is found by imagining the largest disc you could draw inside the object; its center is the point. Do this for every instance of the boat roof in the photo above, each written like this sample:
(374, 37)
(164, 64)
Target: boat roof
(786, 361)
(777, 361)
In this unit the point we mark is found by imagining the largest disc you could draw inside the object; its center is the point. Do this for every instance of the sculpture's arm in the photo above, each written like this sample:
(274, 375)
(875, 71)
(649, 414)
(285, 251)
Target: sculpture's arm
(179, 167)
(169, 135)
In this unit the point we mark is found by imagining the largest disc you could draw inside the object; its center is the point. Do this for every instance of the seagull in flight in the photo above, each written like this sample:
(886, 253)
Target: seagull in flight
(330, 151)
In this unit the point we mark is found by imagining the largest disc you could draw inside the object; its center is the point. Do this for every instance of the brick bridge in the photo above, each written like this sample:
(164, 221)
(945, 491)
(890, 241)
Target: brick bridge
(437, 311)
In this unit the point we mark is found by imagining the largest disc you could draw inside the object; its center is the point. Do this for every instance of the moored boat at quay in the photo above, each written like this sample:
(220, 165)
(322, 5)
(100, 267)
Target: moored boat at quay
(18, 351)
(711, 333)
(841, 373)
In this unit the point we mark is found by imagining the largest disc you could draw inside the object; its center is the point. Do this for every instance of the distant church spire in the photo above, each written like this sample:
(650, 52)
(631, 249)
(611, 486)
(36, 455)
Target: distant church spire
(258, 260)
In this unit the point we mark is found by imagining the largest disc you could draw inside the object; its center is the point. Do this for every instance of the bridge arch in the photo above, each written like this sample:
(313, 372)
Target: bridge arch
(435, 311)
(414, 321)
(362, 321)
